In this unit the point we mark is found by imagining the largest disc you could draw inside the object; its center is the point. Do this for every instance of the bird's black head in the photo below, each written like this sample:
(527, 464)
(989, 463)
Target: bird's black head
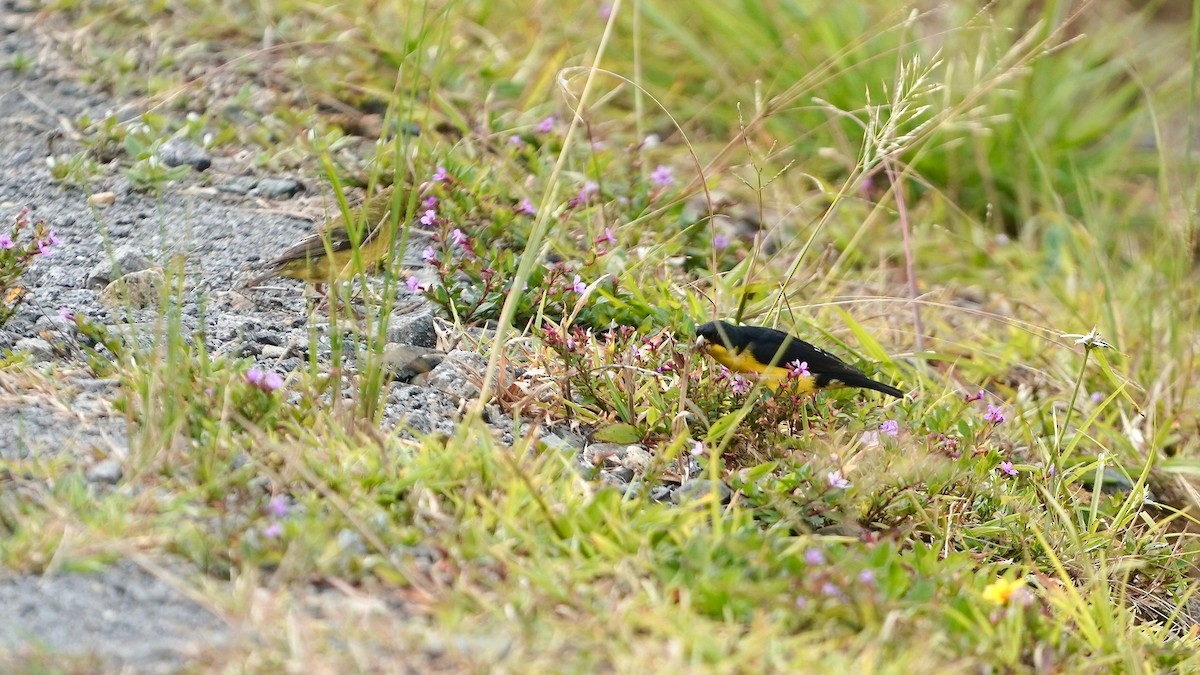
(717, 332)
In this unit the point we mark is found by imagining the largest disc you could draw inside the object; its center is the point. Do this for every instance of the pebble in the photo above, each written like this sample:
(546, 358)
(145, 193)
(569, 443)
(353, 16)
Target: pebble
(36, 347)
(422, 407)
(100, 199)
(698, 488)
(661, 493)
(613, 455)
(273, 352)
(404, 361)
(618, 476)
(182, 152)
(137, 290)
(413, 328)
(636, 458)
(456, 375)
(125, 259)
(239, 185)
(106, 471)
(562, 439)
(632, 489)
(278, 188)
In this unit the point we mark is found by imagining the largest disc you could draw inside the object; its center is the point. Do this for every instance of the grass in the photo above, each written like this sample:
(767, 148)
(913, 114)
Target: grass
(944, 196)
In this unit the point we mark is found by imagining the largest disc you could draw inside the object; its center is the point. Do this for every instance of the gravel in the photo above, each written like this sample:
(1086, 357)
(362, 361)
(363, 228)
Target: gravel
(123, 616)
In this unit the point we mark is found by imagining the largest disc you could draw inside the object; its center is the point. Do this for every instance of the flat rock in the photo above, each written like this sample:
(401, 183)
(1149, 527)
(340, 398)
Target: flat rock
(699, 488)
(106, 471)
(137, 290)
(182, 152)
(239, 185)
(458, 375)
(48, 428)
(278, 188)
(405, 361)
(127, 618)
(125, 259)
(617, 455)
(36, 347)
(413, 328)
(563, 439)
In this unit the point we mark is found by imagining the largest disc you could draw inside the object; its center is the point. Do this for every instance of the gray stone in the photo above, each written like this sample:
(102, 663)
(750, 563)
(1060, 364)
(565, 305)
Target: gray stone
(636, 458)
(458, 375)
(126, 618)
(421, 409)
(562, 439)
(698, 488)
(278, 188)
(105, 471)
(661, 493)
(125, 259)
(632, 490)
(36, 347)
(239, 185)
(182, 152)
(44, 425)
(413, 328)
(613, 455)
(617, 476)
(273, 351)
(405, 361)
(137, 290)
(10, 23)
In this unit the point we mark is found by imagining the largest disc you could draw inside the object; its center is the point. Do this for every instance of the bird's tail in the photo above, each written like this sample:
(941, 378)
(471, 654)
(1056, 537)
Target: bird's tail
(256, 281)
(864, 382)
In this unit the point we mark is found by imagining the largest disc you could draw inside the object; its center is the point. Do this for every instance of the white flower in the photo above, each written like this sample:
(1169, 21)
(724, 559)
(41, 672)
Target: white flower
(1091, 340)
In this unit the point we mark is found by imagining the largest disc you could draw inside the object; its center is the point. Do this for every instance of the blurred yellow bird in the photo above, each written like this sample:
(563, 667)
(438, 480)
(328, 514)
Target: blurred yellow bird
(328, 253)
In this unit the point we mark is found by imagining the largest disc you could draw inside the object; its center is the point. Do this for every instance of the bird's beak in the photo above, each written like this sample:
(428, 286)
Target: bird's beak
(701, 343)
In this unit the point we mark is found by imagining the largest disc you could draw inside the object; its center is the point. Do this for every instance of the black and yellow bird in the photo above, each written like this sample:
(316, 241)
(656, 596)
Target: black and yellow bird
(776, 356)
(328, 253)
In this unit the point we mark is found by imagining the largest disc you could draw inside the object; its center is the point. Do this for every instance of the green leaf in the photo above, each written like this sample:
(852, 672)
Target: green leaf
(755, 473)
(724, 426)
(618, 433)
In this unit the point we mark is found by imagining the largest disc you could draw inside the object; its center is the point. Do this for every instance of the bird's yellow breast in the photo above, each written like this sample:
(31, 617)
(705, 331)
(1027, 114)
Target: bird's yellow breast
(743, 361)
(318, 268)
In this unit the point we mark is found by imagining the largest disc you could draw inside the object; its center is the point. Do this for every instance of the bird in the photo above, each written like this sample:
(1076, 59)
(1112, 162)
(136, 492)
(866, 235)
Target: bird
(776, 356)
(328, 253)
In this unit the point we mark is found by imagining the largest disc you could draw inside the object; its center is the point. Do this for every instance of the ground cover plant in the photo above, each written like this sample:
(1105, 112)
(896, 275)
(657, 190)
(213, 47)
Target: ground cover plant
(991, 206)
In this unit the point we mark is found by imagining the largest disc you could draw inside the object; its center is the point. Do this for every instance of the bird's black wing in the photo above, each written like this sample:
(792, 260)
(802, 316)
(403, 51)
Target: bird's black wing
(766, 344)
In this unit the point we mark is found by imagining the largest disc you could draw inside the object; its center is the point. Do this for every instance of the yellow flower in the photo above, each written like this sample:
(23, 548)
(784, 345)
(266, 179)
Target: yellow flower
(1002, 590)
